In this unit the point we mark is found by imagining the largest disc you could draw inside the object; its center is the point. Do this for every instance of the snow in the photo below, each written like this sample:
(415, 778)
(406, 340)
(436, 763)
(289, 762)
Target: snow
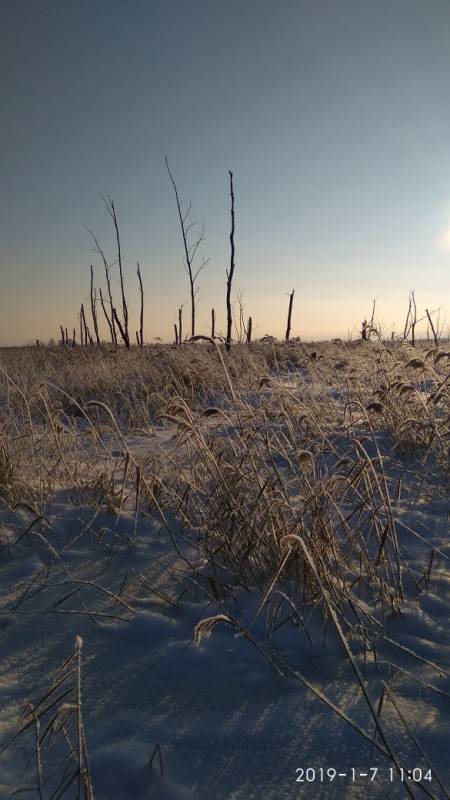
(228, 725)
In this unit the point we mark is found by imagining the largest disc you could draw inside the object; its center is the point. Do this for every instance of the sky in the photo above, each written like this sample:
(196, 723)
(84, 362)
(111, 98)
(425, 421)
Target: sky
(334, 116)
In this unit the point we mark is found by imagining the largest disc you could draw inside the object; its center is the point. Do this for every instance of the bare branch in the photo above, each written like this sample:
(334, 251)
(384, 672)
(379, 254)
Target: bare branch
(231, 272)
(190, 248)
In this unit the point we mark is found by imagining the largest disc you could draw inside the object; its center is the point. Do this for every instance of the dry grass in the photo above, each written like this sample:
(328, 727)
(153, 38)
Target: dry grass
(278, 483)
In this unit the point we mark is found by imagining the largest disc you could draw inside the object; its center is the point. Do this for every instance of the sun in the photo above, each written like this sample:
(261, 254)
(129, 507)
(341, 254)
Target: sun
(443, 242)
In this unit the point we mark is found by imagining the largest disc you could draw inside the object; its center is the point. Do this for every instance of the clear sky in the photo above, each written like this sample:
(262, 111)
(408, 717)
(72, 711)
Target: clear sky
(334, 116)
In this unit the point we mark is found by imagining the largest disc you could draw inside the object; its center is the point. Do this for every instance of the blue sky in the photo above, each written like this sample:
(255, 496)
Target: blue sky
(333, 115)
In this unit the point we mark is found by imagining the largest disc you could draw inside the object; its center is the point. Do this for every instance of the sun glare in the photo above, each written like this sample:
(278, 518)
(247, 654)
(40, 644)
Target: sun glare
(443, 242)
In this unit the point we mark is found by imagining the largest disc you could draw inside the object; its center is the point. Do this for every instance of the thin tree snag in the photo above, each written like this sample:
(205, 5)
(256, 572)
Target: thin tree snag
(413, 319)
(176, 332)
(63, 341)
(81, 324)
(122, 331)
(84, 326)
(141, 318)
(249, 330)
(93, 306)
(289, 317)
(371, 323)
(432, 327)
(180, 325)
(109, 318)
(123, 328)
(190, 250)
(110, 322)
(213, 323)
(73, 338)
(230, 272)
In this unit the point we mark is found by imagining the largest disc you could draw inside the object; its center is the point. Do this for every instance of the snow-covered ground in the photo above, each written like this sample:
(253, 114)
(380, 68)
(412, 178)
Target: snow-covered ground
(246, 712)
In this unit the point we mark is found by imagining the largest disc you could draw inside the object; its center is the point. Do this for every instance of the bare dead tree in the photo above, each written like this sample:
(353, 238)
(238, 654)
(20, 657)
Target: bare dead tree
(176, 332)
(249, 330)
(123, 333)
(84, 326)
(411, 319)
(110, 321)
(180, 325)
(435, 337)
(230, 272)
(239, 316)
(190, 247)
(406, 328)
(371, 327)
(73, 338)
(213, 323)
(289, 317)
(371, 323)
(63, 341)
(83, 318)
(67, 337)
(124, 326)
(93, 306)
(109, 317)
(141, 316)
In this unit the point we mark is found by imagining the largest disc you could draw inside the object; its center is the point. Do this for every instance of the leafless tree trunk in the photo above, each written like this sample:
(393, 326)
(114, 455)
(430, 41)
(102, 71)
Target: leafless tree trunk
(123, 328)
(288, 326)
(111, 324)
(180, 325)
(176, 332)
(122, 331)
(230, 272)
(371, 323)
(73, 338)
(93, 306)
(213, 323)
(413, 319)
(63, 341)
(249, 330)
(432, 327)
(109, 317)
(81, 324)
(84, 326)
(141, 328)
(190, 249)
